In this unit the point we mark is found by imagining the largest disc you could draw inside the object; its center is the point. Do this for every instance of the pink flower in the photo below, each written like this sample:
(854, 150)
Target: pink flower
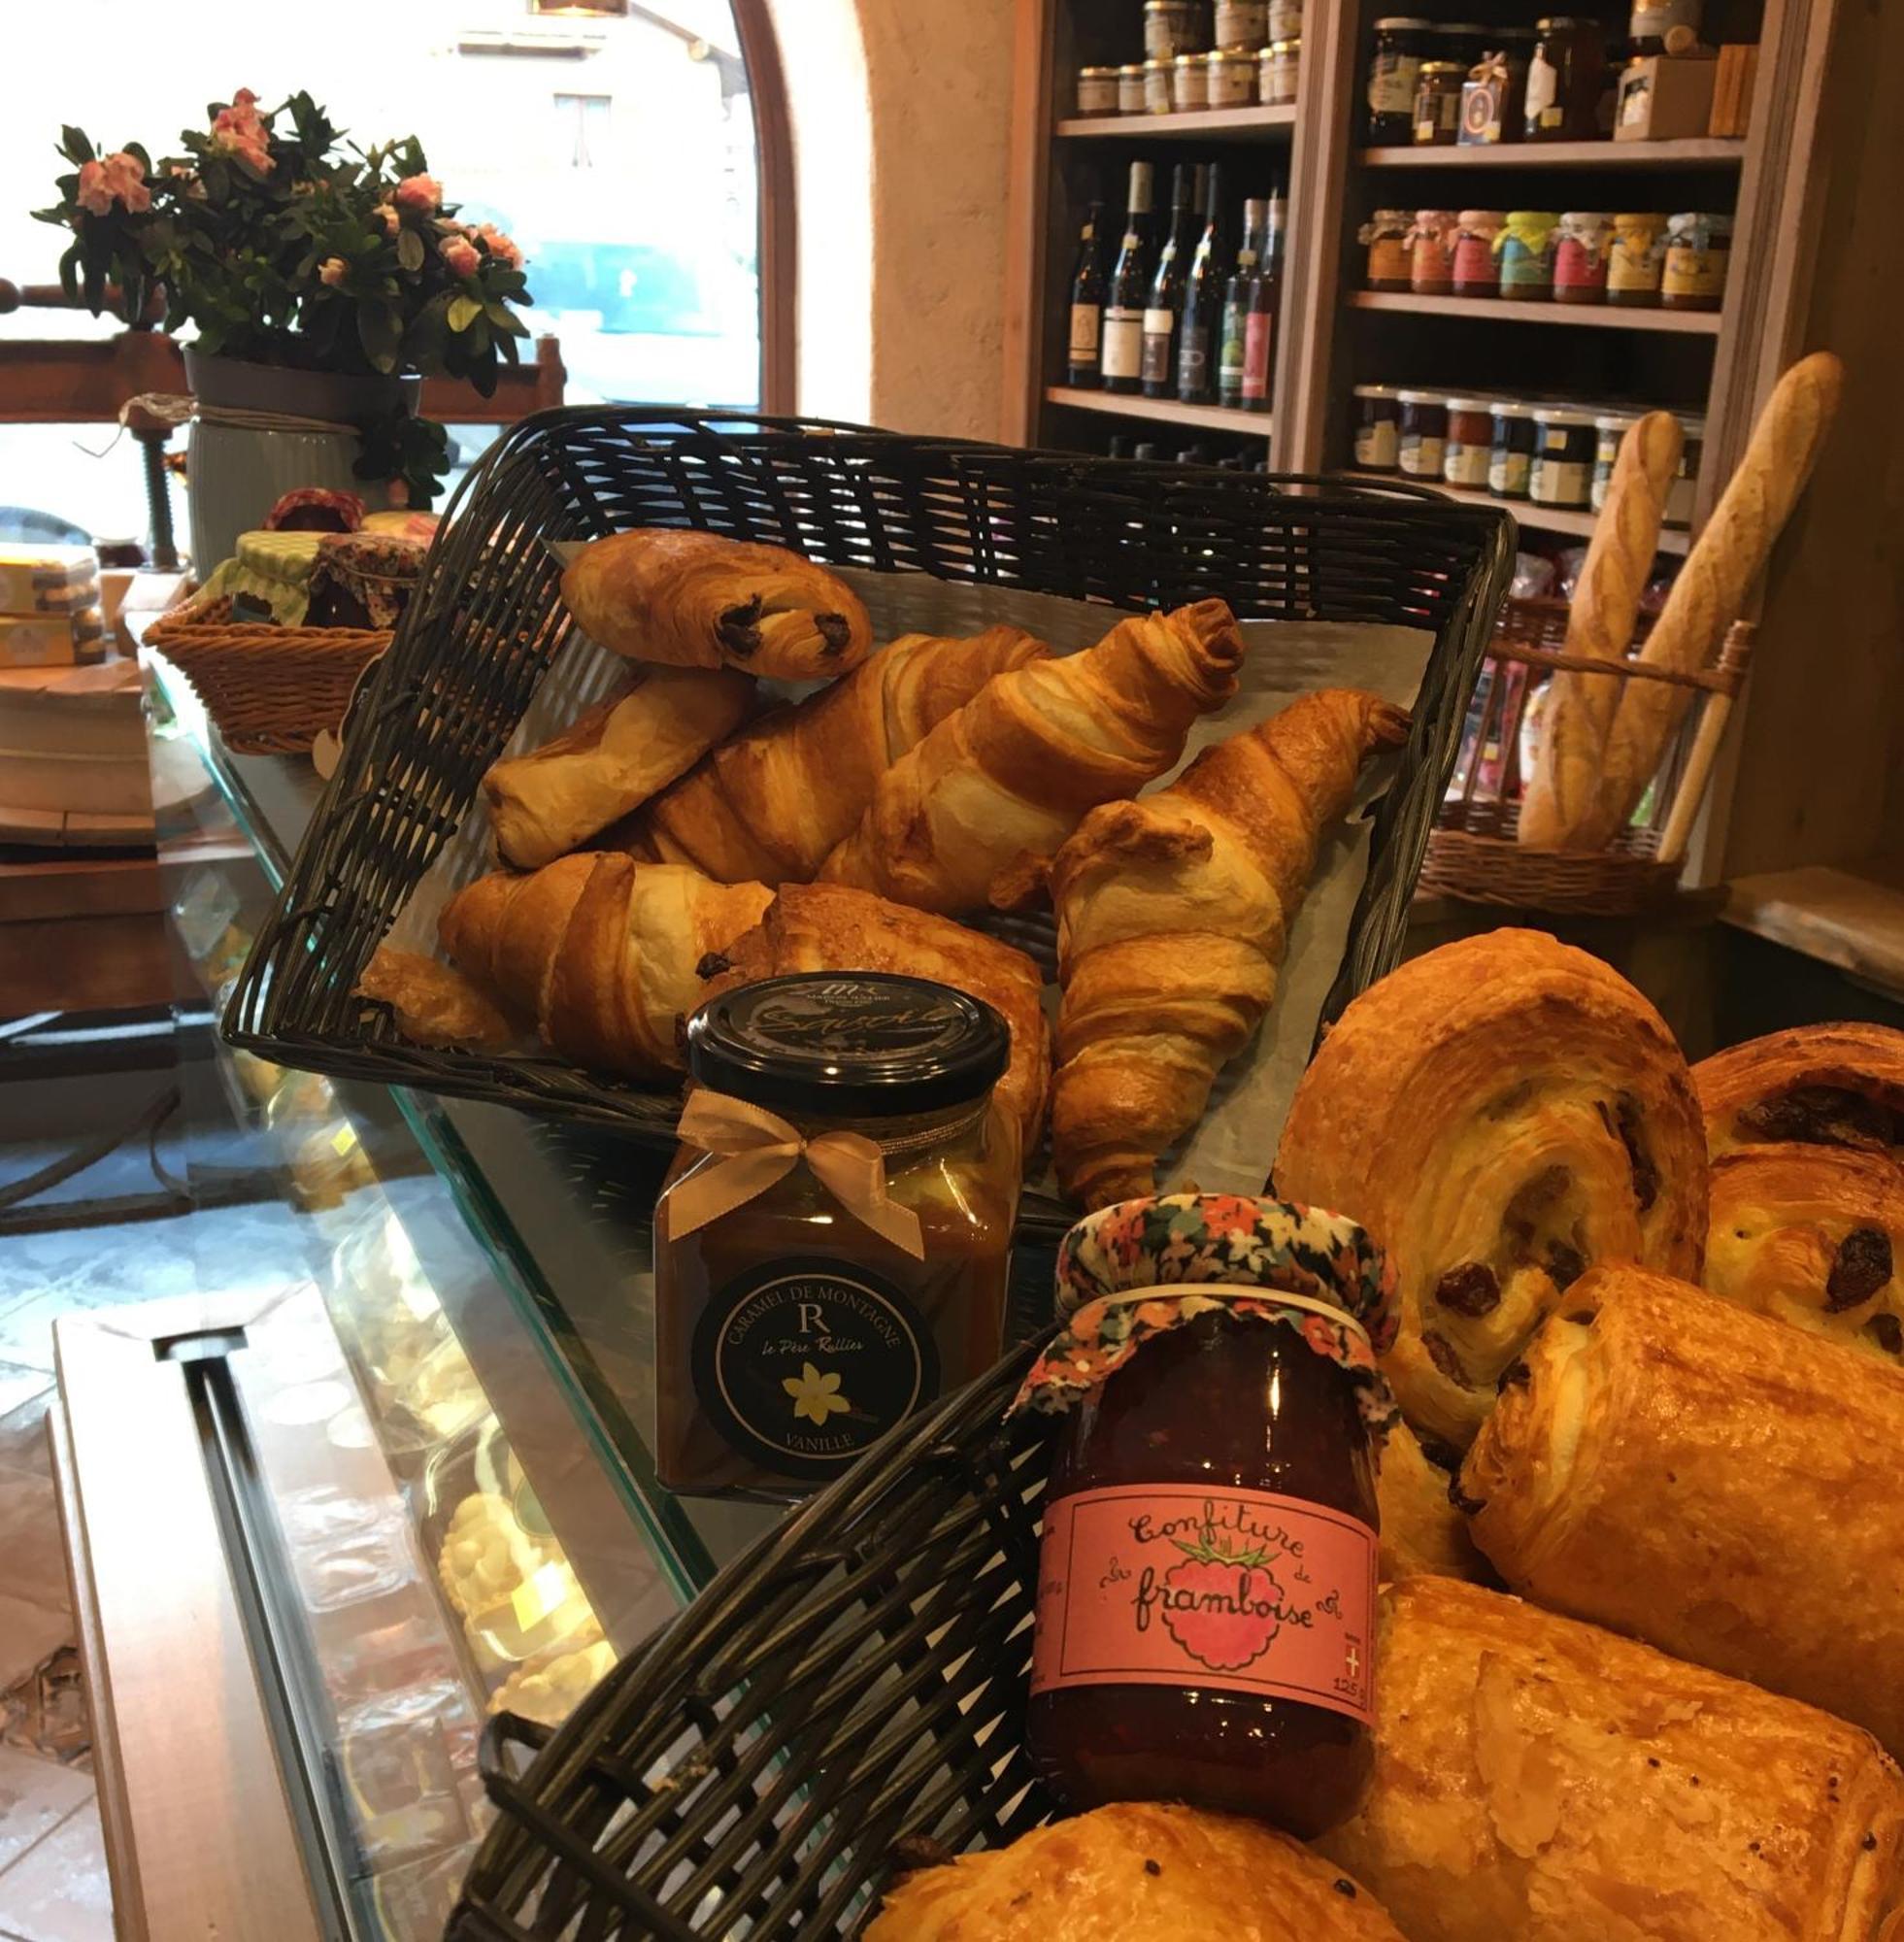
(332, 271)
(120, 177)
(504, 247)
(459, 252)
(240, 131)
(419, 192)
(388, 217)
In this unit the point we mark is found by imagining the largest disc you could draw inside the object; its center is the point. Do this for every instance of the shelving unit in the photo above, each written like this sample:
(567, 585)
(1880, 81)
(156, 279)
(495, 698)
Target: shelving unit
(1517, 310)
(1547, 519)
(1161, 411)
(1237, 124)
(1688, 153)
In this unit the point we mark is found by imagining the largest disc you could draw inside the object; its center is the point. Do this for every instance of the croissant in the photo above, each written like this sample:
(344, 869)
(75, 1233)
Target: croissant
(831, 927)
(1010, 774)
(599, 953)
(1711, 1482)
(1538, 1780)
(1499, 1113)
(430, 1004)
(693, 599)
(768, 805)
(1138, 1871)
(610, 760)
(1172, 917)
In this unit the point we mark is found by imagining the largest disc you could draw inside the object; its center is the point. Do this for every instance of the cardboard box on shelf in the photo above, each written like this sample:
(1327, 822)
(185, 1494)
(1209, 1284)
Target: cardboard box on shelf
(1662, 98)
(1732, 90)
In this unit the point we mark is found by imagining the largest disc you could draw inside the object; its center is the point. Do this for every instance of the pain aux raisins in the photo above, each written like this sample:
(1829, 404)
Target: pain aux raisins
(1862, 1267)
(1826, 1116)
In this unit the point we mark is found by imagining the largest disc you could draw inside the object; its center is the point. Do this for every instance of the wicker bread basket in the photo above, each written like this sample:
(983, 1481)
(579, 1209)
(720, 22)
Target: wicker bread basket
(269, 690)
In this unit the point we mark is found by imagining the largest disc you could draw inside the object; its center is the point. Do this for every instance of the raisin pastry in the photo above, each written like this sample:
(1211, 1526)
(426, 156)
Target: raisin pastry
(1499, 1113)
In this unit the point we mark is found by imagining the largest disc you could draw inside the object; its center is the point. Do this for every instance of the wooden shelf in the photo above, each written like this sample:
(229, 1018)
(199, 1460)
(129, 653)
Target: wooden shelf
(1518, 310)
(1162, 410)
(1241, 124)
(1543, 518)
(1693, 152)
(1852, 916)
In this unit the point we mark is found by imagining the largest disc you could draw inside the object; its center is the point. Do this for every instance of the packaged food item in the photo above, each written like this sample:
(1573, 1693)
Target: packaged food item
(1524, 245)
(1564, 80)
(831, 1242)
(1437, 113)
(53, 640)
(1190, 83)
(1685, 482)
(1562, 473)
(1510, 462)
(1402, 42)
(1493, 97)
(363, 579)
(1130, 88)
(1385, 233)
(1097, 90)
(1157, 93)
(1232, 78)
(1475, 272)
(1653, 21)
(1169, 28)
(1633, 259)
(1241, 23)
(47, 579)
(269, 572)
(1285, 21)
(1423, 432)
(1698, 249)
(1609, 429)
(1469, 449)
(1208, 1563)
(315, 509)
(1378, 428)
(1432, 251)
(1281, 71)
(1580, 256)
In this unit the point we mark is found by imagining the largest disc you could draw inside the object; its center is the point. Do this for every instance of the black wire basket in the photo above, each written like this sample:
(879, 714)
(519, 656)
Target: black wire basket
(487, 622)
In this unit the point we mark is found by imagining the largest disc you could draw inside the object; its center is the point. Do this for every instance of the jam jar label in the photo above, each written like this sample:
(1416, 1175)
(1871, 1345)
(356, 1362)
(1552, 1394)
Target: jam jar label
(1180, 1584)
(802, 1363)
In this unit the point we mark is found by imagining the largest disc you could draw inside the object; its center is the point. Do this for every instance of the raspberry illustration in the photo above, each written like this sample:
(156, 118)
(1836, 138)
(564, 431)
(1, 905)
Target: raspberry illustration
(1222, 1606)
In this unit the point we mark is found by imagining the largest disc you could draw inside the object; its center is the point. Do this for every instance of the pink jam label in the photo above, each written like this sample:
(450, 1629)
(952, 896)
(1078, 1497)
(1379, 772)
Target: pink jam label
(1576, 267)
(1235, 1590)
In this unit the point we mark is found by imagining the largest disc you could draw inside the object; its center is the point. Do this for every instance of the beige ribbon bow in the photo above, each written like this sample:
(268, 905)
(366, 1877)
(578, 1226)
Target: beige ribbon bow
(757, 1148)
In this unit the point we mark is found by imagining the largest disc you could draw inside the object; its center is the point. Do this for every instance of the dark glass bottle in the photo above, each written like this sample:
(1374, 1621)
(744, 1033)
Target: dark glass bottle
(1120, 354)
(1237, 297)
(1199, 337)
(1166, 299)
(1087, 287)
(1265, 302)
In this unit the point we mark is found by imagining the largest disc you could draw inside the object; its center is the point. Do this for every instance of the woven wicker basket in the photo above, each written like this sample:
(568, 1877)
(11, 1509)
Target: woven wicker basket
(269, 690)
(1473, 852)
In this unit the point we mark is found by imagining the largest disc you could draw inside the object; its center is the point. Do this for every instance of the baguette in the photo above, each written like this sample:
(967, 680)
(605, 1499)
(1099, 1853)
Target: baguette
(1711, 590)
(1579, 707)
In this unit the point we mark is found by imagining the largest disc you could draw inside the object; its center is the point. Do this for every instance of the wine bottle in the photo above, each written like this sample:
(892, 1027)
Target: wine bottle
(1265, 300)
(1087, 302)
(1166, 297)
(1199, 335)
(1120, 350)
(1237, 297)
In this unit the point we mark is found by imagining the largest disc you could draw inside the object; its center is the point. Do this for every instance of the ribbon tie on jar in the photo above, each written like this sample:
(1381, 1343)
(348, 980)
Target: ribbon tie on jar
(756, 1149)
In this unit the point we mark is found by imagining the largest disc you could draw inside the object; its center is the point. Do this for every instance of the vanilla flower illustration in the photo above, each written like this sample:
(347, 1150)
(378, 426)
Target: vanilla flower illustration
(815, 1396)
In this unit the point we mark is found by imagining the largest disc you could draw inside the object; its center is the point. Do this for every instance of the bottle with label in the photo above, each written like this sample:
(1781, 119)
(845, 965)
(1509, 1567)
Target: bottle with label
(1237, 298)
(831, 1242)
(1265, 303)
(1166, 299)
(1206, 1584)
(1121, 349)
(1087, 287)
(1199, 336)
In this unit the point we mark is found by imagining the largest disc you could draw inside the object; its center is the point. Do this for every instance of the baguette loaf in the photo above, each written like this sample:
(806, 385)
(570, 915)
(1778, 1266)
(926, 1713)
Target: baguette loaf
(1579, 707)
(1709, 592)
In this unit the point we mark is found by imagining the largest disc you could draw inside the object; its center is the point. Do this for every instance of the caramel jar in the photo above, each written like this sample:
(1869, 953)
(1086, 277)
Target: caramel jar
(1206, 1585)
(831, 1244)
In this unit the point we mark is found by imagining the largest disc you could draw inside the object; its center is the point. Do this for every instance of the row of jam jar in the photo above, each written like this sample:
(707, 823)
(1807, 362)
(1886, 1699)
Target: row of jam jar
(1257, 57)
(1583, 256)
(1557, 455)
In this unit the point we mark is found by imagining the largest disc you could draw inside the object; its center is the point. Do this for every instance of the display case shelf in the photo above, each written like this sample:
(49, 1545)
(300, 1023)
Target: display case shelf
(1235, 124)
(1517, 310)
(1162, 410)
(1693, 152)
(1542, 518)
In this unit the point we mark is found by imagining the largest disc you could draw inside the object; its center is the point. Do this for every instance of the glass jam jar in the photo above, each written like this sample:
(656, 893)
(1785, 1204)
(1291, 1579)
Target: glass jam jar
(1285, 21)
(1431, 252)
(1580, 256)
(801, 1309)
(1510, 462)
(1562, 474)
(1207, 1572)
(1475, 272)
(1169, 28)
(1097, 90)
(1232, 78)
(1423, 441)
(1438, 104)
(1524, 248)
(1402, 43)
(1281, 65)
(1241, 23)
(1131, 88)
(1698, 249)
(1634, 258)
(1684, 488)
(1565, 80)
(1385, 233)
(1610, 429)
(1190, 83)
(1156, 85)
(1378, 428)
(1464, 459)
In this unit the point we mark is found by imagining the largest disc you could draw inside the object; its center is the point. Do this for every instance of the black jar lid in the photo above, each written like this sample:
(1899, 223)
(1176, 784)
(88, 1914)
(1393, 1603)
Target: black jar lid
(849, 1044)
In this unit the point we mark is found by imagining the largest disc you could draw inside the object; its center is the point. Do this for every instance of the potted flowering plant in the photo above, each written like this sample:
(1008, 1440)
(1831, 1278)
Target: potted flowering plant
(322, 281)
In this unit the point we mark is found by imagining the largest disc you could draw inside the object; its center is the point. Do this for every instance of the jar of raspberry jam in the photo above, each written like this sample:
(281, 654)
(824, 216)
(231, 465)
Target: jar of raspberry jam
(1205, 1613)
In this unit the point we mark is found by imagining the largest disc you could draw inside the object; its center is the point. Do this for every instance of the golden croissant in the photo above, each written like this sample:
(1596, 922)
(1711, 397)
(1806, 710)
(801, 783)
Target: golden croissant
(1010, 775)
(1174, 914)
(769, 803)
(695, 599)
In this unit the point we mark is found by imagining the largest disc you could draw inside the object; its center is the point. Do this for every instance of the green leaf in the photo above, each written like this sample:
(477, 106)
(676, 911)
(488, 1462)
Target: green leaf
(69, 274)
(463, 311)
(76, 145)
(379, 330)
(410, 250)
(505, 319)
